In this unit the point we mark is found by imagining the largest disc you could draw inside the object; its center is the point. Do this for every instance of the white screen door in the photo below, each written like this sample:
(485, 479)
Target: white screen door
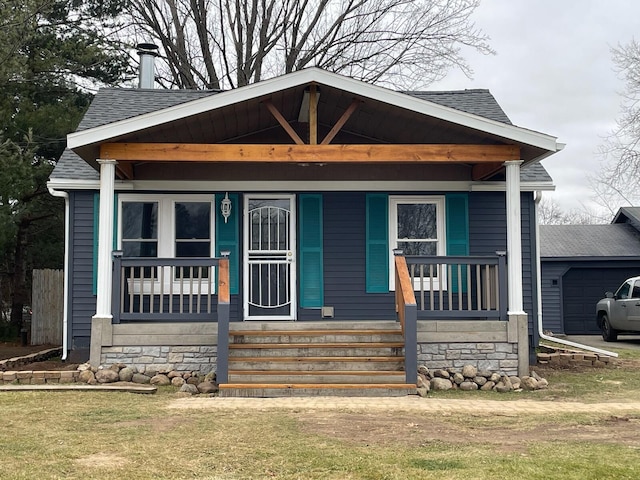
(269, 263)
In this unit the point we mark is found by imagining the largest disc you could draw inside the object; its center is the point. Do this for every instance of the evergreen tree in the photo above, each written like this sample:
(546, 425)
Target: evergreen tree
(53, 53)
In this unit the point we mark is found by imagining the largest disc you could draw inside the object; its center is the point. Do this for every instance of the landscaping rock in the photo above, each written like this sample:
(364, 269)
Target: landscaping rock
(126, 374)
(439, 383)
(458, 378)
(469, 371)
(468, 386)
(87, 376)
(441, 373)
(189, 388)
(207, 387)
(160, 380)
(107, 376)
(140, 378)
(529, 383)
(177, 381)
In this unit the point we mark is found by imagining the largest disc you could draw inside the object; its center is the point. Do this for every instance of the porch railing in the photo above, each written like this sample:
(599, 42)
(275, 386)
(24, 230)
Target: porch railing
(168, 289)
(407, 315)
(459, 287)
(174, 289)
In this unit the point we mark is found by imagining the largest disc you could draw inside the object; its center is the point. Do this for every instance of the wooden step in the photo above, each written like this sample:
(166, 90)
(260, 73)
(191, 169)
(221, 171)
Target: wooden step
(275, 346)
(317, 377)
(315, 389)
(310, 364)
(292, 333)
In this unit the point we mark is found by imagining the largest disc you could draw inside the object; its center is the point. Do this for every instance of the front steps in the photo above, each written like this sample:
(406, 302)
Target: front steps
(272, 359)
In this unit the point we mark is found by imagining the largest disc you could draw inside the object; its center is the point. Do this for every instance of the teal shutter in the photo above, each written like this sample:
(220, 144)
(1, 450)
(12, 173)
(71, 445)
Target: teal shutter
(310, 251)
(377, 243)
(96, 216)
(457, 209)
(227, 238)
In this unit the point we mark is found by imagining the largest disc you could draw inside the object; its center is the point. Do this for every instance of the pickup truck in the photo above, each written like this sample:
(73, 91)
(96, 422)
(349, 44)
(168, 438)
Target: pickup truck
(619, 312)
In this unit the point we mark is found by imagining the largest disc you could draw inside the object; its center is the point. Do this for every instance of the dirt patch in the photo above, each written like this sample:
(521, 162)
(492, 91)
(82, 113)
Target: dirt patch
(13, 350)
(412, 431)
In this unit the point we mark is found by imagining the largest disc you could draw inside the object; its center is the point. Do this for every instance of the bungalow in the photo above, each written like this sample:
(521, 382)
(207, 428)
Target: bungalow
(309, 231)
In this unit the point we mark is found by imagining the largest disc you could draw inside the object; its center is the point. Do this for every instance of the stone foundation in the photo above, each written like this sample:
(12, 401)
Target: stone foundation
(495, 357)
(200, 359)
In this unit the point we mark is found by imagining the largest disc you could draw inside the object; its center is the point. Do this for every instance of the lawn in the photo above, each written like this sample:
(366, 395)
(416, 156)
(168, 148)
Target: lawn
(89, 435)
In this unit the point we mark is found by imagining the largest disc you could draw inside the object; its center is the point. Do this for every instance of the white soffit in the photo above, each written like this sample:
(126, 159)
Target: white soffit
(304, 77)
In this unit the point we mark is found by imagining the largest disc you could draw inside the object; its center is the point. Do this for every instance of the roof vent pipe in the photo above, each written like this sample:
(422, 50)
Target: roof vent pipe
(148, 53)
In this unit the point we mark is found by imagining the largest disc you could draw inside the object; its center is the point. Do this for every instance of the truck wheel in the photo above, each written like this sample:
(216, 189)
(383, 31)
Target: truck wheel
(609, 334)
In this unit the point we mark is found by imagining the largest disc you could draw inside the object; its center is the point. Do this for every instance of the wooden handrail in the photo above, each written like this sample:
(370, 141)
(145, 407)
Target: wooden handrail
(406, 309)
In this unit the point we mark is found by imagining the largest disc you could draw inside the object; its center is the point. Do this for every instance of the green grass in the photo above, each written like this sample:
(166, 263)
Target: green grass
(89, 435)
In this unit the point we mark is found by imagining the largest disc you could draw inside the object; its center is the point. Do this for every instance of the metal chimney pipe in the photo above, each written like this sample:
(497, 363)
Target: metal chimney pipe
(146, 75)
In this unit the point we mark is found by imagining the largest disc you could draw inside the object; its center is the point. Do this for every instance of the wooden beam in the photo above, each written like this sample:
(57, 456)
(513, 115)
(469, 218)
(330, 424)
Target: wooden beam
(124, 170)
(340, 123)
(283, 122)
(485, 170)
(360, 153)
(313, 114)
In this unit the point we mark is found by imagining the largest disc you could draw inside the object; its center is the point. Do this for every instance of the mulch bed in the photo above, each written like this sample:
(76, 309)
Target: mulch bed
(14, 349)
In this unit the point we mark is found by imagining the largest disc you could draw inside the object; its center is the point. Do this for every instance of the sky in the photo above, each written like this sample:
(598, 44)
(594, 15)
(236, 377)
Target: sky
(553, 73)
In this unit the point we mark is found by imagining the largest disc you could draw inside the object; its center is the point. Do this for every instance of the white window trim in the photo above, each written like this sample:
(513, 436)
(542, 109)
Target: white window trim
(439, 202)
(166, 238)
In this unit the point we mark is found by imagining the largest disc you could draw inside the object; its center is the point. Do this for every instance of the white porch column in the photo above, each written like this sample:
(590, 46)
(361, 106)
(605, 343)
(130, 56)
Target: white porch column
(105, 238)
(514, 238)
(101, 321)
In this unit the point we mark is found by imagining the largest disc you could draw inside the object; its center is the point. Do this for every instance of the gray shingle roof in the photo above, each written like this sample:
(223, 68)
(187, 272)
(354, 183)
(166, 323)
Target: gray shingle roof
(566, 241)
(477, 102)
(114, 104)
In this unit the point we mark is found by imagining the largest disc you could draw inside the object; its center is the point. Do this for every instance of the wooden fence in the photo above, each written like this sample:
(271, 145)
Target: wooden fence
(47, 299)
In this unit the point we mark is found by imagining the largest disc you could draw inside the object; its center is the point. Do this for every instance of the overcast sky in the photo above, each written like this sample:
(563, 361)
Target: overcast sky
(553, 73)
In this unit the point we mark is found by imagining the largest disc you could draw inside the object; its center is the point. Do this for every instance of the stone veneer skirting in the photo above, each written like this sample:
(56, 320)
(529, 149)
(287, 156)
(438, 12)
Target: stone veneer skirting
(493, 357)
(201, 359)
(488, 345)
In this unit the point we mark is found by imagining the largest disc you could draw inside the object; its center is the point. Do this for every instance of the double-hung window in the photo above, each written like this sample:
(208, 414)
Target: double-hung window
(168, 226)
(417, 227)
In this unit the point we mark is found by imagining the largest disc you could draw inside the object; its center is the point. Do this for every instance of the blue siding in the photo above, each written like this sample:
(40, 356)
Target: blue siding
(488, 234)
(552, 295)
(345, 262)
(82, 300)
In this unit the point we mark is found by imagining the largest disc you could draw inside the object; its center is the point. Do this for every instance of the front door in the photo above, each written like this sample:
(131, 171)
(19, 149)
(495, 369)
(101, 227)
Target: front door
(269, 259)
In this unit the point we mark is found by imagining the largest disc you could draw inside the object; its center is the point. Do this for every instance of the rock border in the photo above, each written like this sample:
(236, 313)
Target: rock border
(470, 379)
(41, 356)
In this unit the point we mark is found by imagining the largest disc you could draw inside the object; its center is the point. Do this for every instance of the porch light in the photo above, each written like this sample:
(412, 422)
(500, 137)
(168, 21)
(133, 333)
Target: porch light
(397, 252)
(225, 207)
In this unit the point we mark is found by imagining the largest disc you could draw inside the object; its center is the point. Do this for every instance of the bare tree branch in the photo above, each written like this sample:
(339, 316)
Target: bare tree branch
(229, 43)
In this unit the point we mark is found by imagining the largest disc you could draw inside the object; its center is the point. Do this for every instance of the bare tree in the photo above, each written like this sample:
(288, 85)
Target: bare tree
(551, 213)
(618, 180)
(231, 43)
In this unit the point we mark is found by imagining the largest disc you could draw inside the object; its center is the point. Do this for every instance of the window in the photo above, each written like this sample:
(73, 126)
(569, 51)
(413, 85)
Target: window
(167, 226)
(417, 227)
(623, 291)
(139, 229)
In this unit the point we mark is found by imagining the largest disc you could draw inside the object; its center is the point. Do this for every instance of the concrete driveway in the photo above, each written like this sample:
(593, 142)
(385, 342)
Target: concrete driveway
(631, 342)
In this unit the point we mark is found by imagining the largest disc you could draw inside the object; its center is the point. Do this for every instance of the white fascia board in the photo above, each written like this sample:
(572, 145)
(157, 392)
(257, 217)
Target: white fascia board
(303, 77)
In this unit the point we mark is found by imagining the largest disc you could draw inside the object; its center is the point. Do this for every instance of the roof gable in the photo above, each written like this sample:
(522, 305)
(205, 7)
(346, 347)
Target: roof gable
(457, 110)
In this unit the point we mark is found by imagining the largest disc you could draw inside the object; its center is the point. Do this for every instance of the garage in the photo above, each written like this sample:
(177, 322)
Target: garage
(581, 290)
(579, 263)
